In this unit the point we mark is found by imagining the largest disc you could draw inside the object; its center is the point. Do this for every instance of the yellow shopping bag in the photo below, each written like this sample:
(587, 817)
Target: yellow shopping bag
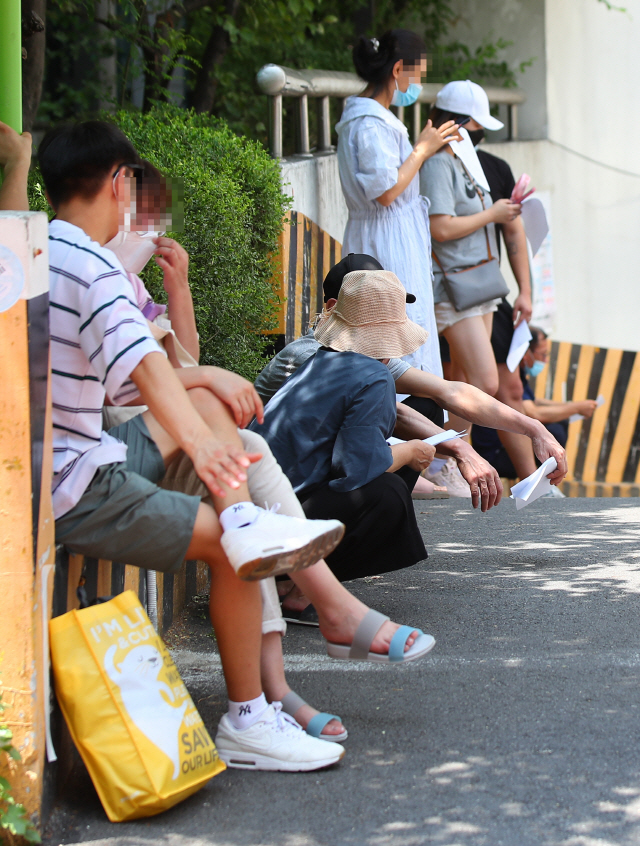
(128, 711)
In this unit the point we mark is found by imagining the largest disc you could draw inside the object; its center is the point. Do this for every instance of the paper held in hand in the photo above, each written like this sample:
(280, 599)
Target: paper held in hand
(534, 486)
(519, 345)
(434, 440)
(599, 401)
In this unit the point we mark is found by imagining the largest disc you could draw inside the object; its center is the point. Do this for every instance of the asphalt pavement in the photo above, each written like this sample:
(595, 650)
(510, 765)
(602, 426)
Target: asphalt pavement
(521, 728)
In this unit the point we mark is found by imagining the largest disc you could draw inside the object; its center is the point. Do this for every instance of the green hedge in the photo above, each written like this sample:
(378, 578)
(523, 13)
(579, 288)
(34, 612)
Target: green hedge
(234, 207)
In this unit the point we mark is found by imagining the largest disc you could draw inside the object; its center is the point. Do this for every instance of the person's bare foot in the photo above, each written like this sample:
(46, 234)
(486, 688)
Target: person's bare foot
(338, 625)
(284, 587)
(295, 600)
(304, 715)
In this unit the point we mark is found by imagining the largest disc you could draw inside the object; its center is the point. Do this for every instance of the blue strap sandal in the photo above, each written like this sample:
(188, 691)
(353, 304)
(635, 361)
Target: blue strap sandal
(365, 635)
(292, 702)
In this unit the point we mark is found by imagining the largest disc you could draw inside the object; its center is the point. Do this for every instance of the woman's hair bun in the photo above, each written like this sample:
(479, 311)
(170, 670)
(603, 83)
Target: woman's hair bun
(374, 58)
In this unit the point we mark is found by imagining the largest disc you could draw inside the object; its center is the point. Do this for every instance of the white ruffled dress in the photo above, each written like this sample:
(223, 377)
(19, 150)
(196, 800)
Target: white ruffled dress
(372, 146)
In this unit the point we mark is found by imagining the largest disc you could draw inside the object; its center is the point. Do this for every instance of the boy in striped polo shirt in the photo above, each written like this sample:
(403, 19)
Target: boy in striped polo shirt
(107, 503)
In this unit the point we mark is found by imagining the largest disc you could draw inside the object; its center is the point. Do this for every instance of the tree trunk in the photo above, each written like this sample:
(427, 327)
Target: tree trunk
(108, 70)
(207, 84)
(33, 65)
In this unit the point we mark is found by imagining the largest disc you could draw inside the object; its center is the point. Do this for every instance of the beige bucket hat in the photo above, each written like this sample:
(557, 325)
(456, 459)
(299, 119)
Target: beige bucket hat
(370, 317)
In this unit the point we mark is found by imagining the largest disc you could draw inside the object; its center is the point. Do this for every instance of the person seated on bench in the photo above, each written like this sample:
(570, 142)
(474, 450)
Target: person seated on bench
(339, 612)
(106, 500)
(457, 397)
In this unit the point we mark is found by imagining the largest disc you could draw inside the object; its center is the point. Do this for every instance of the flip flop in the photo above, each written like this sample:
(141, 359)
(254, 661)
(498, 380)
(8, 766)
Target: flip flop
(307, 617)
(292, 702)
(365, 635)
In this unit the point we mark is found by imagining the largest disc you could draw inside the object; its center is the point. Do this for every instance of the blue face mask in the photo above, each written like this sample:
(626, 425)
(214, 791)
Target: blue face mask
(536, 370)
(408, 97)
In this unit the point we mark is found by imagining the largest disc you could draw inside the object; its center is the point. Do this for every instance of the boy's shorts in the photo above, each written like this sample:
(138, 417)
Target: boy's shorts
(124, 516)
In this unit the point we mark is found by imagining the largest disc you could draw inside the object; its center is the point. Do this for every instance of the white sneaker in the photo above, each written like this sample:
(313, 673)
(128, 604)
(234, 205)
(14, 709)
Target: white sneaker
(274, 742)
(452, 479)
(275, 544)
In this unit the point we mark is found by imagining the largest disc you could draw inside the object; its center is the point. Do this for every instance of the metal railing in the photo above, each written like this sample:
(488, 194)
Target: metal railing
(278, 82)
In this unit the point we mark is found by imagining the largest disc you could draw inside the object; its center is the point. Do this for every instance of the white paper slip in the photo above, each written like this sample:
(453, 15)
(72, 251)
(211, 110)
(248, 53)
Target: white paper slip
(535, 223)
(574, 417)
(534, 486)
(519, 345)
(434, 440)
(442, 437)
(465, 151)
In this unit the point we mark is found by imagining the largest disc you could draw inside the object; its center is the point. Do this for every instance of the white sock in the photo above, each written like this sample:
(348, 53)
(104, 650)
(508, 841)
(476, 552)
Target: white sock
(245, 714)
(436, 466)
(239, 515)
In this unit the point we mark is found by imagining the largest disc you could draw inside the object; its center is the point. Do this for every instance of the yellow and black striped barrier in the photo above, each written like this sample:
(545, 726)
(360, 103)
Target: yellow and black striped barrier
(307, 253)
(603, 452)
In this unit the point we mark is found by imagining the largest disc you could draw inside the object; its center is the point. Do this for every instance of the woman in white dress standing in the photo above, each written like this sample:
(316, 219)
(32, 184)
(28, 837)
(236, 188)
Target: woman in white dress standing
(388, 219)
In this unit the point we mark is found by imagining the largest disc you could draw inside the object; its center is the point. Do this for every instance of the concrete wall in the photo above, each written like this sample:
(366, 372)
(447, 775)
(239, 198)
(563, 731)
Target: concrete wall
(523, 23)
(593, 63)
(314, 186)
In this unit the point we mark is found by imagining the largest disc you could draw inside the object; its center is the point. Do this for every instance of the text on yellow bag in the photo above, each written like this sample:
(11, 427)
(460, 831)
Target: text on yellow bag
(128, 711)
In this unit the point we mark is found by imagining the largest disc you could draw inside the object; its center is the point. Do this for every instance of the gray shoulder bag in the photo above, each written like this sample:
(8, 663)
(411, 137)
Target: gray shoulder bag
(478, 284)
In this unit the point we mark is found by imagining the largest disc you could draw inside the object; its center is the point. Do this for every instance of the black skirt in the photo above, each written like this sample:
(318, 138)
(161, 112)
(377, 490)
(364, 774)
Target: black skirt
(381, 535)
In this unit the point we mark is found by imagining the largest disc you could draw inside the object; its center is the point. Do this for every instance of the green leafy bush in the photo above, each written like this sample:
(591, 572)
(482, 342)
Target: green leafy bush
(233, 213)
(13, 816)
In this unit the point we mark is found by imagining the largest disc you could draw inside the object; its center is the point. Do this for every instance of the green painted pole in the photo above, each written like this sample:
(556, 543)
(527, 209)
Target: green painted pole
(11, 64)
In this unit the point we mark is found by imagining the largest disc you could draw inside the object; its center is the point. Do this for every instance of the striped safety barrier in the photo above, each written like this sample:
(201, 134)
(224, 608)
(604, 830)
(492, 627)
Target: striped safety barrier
(603, 452)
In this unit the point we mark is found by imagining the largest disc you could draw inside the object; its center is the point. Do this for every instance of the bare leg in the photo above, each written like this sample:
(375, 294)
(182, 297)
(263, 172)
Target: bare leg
(518, 447)
(218, 417)
(472, 358)
(275, 684)
(235, 608)
(339, 612)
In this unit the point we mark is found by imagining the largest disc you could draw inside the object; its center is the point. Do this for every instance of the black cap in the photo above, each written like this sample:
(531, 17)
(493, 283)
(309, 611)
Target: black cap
(353, 261)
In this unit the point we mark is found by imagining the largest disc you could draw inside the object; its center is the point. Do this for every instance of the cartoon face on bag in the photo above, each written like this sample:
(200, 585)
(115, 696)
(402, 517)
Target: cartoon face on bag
(151, 703)
(152, 692)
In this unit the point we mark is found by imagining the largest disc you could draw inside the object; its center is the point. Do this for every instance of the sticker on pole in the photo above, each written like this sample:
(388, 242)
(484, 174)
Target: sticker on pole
(11, 278)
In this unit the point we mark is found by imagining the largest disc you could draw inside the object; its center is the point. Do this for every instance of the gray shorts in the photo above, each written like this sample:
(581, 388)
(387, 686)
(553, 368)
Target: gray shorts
(124, 516)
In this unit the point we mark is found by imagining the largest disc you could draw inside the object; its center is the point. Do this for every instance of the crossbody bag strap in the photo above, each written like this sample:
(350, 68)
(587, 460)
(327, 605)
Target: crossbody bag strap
(479, 193)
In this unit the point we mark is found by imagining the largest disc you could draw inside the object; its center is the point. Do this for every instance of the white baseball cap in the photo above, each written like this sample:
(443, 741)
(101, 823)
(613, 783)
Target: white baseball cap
(464, 97)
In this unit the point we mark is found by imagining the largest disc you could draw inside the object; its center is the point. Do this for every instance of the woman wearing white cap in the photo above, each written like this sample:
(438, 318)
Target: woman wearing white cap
(379, 173)
(462, 215)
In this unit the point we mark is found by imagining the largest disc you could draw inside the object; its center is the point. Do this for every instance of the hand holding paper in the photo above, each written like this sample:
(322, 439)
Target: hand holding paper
(574, 417)
(520, 192)
(535, 485)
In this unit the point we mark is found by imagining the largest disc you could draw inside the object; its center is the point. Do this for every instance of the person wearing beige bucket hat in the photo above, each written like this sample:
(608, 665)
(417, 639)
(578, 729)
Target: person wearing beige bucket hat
(370, 317)
(328, 425)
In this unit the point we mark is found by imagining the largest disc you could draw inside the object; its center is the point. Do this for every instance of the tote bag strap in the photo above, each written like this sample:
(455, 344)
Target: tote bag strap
(479, 192)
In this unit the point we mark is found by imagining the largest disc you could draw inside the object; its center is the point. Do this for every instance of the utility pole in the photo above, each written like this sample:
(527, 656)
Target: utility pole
(11, 64)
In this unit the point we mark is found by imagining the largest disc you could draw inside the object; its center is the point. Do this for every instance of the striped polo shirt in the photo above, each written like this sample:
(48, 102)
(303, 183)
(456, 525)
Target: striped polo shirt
(98, 337)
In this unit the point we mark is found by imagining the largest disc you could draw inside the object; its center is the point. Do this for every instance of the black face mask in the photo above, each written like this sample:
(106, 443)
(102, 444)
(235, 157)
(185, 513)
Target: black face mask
(476, 136)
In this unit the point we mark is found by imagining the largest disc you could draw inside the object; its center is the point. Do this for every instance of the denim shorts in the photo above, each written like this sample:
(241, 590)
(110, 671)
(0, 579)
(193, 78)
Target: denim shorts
(124, 516)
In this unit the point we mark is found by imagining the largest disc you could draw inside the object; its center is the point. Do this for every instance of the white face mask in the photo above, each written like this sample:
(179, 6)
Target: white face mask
(134, 249)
